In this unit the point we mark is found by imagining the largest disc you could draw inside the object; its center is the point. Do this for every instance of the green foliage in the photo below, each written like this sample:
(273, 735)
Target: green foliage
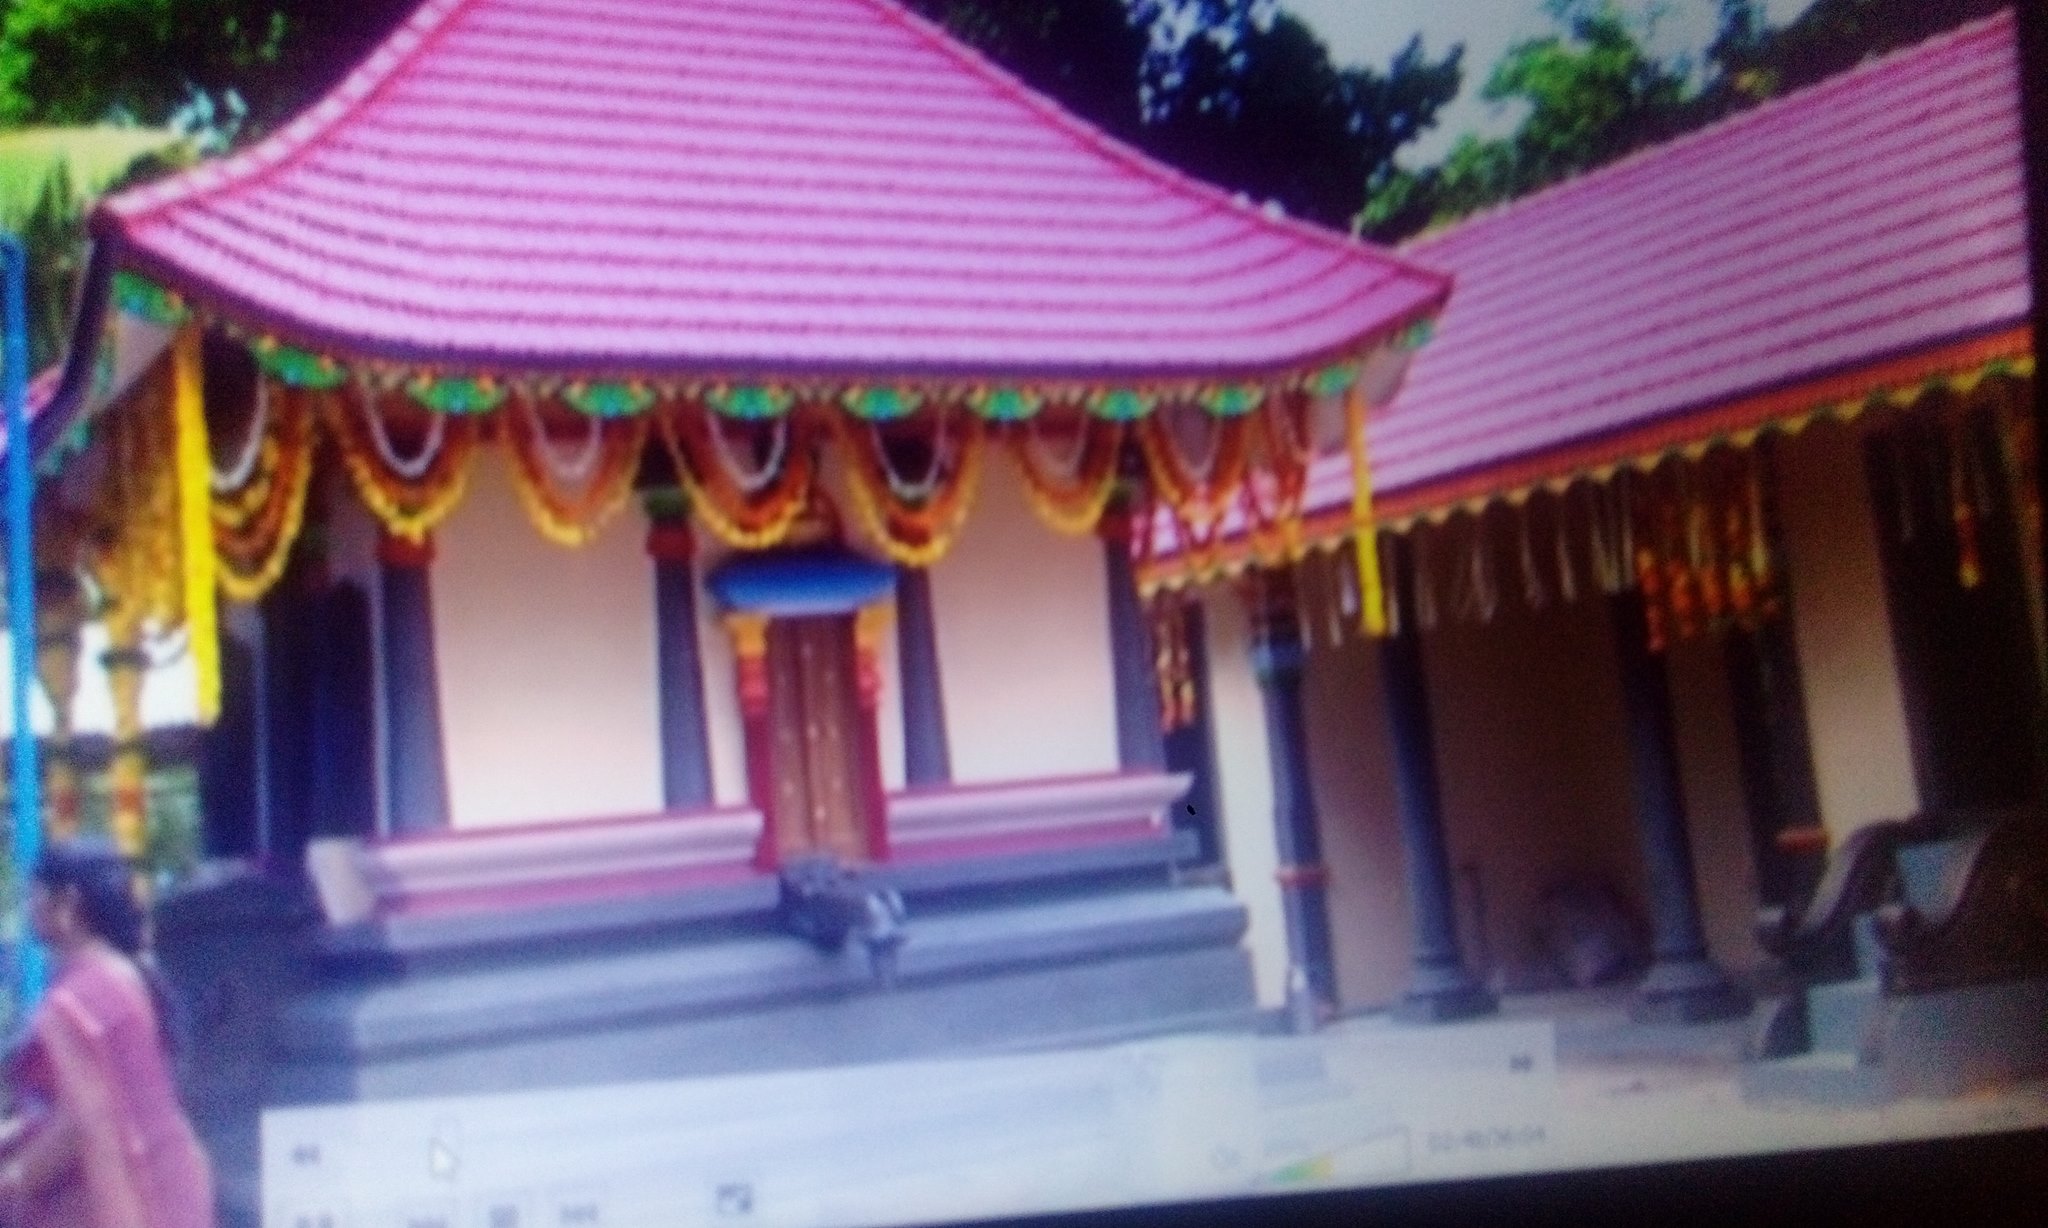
(1232, 91)
(1593, 94)
(86, 61)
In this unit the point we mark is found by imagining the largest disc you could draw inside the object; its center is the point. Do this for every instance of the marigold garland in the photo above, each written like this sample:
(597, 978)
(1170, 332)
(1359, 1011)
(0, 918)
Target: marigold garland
(1197, 502)
(1274, 528)
(408, 508)
(742, 520)
(572, 517)
(255, 526)
(1070, 503)
(914, 533)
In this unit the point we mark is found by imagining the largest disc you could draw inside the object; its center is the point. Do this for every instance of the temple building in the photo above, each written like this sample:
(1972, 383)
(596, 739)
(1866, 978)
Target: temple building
(1710, 531)
(647, 499)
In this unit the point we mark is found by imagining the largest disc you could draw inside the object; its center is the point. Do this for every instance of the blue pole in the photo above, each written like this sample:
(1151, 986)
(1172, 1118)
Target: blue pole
(21, 613)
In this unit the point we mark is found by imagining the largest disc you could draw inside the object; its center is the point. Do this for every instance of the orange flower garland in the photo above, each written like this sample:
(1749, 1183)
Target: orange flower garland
(408, 505)
(572, 517)
(1198, 502)
(1070, 503)
(742, 519)
(1284, 449)
(915, 531)
(254, 526)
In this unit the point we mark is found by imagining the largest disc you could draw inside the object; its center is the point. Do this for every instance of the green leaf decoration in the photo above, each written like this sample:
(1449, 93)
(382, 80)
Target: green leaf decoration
(610, 400)
(881, 404)
(1233, 400)
(1418, 334)
(144, 299)
(458, 394)
(1121, 405)
(1331, 381)
(1006, 404)
(297, 367)
(71, 443)
(751, 402)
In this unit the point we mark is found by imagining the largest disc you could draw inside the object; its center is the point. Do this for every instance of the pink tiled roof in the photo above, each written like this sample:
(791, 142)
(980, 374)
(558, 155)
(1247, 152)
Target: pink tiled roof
(1879, 213)
(735, 186)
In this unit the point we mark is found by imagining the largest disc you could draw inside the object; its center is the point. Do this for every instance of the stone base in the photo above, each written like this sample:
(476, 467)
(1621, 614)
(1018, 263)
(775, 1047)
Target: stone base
(1444, 995)
(1077, 971)
(1688, 991)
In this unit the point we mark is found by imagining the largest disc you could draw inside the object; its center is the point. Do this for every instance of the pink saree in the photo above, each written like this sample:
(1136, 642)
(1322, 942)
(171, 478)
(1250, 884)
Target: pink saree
(95, 1052)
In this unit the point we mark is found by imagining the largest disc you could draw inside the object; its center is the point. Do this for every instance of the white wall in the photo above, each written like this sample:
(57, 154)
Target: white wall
(1856, 714)
(547, 664)
(1245, 790)
(724, 729)
(1022, 615)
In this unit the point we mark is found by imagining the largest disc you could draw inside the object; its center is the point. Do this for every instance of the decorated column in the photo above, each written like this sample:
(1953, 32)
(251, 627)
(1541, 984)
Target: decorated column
(927, 758)
(128, 774)
(685, 746)
(60, 615)
(417, 786)
(1141, 745)
(1683, 984)
(870, 624)
(1279, 657)
(750, 666)
(1442, 988)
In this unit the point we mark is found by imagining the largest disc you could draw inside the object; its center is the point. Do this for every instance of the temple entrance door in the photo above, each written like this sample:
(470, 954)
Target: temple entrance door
(815, 713)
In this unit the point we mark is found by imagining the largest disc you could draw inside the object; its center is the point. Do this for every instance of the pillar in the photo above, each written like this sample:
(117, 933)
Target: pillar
(417, 782)
(685, 745)
(1683, 984)
(870, 624)
(128, 774)
(1141, 744)
(1279, 657)
(927, 758)
(750, 666)
(1442, 989)
(60, 615)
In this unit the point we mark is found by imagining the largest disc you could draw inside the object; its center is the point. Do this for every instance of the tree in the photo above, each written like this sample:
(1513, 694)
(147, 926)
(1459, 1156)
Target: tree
(87, 61)
(1593, 94)
(1233, 91)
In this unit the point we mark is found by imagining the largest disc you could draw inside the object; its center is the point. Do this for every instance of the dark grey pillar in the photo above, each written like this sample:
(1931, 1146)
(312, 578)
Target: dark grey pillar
(685, 744)
(1140, 742)
(1683, 984)
(418, 798)
(1443, 988)
(927, 758)
(1279, 658)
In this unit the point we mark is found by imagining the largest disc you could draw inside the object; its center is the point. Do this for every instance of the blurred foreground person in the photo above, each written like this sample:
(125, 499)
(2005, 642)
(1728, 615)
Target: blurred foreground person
(95, 1136)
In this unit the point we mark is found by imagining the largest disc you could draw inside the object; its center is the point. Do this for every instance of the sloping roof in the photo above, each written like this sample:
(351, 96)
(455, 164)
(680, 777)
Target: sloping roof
(741, 186)
(1879, 214)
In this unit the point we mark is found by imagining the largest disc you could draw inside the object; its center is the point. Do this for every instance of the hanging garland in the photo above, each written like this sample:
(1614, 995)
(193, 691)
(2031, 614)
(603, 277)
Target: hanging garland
(1069, 494)
(1197, 496)
(410, 495)
(1284, 450)
(915, 522)
(256, 523)
(570, 500)
(747, 511)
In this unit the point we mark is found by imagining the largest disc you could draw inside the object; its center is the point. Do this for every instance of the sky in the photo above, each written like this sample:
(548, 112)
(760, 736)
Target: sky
(1370, 32)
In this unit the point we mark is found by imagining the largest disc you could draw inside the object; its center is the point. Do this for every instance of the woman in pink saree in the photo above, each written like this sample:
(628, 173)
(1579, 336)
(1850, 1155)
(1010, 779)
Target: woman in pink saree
(95, 1136)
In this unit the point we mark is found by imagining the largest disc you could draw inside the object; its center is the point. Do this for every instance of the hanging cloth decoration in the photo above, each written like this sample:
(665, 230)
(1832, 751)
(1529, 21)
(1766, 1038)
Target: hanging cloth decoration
(569, 499)
(749, 504)
(1276, 481)
(195, 610)
(1069, 493)
(259, 502)
(410, 495)
(915, 519)
(1198, 495)
(1372, 601)
(1964, 506)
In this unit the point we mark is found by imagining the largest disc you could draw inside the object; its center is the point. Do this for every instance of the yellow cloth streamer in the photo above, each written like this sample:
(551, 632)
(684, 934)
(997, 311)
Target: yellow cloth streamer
(1372, 599)
(195, 520)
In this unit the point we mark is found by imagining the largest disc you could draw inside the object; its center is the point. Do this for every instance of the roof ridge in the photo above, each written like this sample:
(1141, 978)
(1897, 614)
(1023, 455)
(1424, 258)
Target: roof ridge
(384, 62)
(1110, 146)
(1767, 109)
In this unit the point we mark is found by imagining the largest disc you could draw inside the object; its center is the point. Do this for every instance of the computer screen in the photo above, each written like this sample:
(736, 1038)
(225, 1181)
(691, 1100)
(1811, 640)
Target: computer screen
(876, 612)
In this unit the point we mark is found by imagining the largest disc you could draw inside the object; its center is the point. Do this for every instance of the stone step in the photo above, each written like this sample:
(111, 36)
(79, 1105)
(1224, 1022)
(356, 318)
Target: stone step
(1837, 1014)
(1833, 1080)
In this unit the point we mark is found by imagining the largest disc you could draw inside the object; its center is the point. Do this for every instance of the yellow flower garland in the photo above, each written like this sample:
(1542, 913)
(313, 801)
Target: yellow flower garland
(408, 509)
(932, 528)
(201, 616)
(574, 519)
(255, 527)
